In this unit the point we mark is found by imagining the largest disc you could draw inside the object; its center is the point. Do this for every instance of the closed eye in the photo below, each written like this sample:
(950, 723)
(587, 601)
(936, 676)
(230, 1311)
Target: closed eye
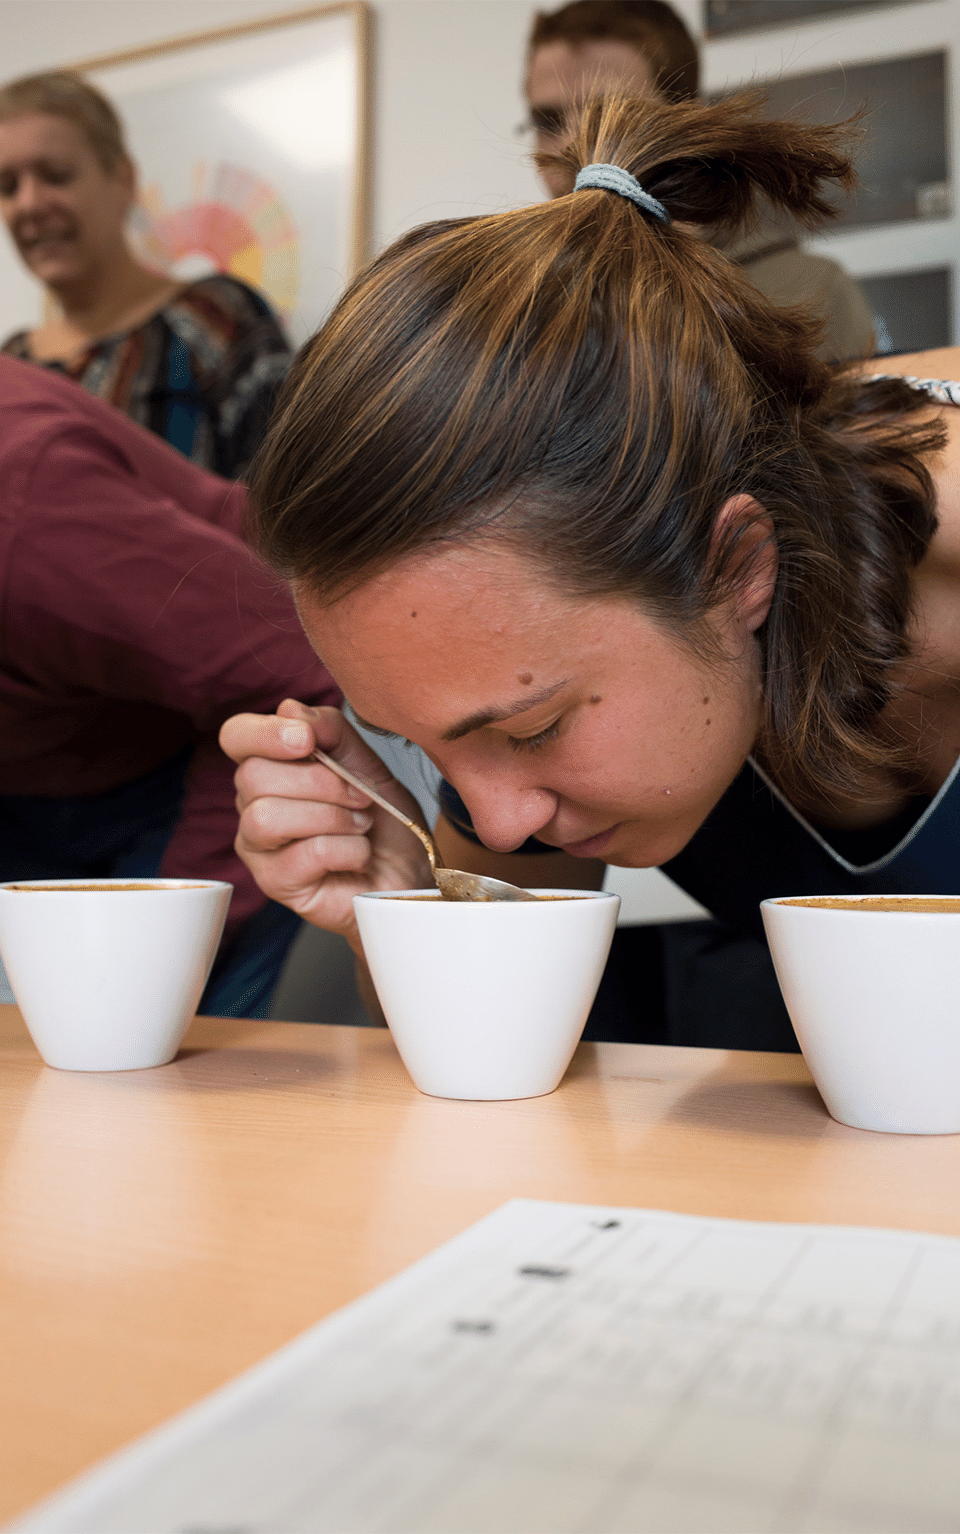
(535, 742)
(376, 729)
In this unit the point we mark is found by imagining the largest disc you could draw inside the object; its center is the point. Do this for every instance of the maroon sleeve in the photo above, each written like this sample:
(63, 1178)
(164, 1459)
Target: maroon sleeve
(134, 597)
(122, 593)
(201, 846)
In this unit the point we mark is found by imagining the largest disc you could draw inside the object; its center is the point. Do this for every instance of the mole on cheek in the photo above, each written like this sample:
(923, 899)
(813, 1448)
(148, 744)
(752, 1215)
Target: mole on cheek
(525, 678)
(596, 698)
(413, 615)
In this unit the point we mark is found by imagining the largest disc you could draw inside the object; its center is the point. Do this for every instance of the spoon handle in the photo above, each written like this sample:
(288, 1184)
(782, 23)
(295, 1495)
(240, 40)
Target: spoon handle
(391, 809)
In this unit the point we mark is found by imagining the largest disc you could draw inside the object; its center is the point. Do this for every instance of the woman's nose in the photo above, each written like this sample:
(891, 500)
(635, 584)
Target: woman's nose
(505, 815)
(29, 196)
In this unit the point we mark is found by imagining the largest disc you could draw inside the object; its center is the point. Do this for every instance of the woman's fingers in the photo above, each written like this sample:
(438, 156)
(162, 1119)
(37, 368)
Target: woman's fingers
(280, 737)
(261, 778)
(269, 823)
(311, 840)
(317, 878)
(335, 735)
(299, 871)
(272, 757)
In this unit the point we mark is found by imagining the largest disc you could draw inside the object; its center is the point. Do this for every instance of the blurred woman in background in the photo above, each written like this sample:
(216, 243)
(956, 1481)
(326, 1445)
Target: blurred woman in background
(199, 362)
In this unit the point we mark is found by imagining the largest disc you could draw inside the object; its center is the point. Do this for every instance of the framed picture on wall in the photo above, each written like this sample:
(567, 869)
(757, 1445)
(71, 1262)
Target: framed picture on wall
(251, 146)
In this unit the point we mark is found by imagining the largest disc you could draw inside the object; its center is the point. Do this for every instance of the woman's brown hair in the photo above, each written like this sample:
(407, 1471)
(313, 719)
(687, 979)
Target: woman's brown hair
(594, 386)
(61, 93)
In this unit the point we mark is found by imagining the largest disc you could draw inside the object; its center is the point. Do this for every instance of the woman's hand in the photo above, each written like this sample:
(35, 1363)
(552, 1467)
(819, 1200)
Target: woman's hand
(310, 840)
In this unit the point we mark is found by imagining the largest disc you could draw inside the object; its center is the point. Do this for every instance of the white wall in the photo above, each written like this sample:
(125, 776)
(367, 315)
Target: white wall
(446, 103)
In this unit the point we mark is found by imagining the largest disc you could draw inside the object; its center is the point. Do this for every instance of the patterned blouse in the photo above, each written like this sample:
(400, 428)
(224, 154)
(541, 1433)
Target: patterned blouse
(203, 372)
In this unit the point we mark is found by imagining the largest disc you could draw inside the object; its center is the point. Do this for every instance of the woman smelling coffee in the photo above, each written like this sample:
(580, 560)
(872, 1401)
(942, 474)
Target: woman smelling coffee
(568, 504)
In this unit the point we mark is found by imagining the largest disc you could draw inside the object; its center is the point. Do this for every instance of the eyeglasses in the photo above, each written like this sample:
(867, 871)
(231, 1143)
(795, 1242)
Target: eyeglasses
(544, 122)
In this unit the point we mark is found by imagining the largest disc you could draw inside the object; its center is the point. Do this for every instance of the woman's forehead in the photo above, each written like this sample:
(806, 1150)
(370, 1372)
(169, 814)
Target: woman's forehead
(418, 660)
(417, 650)
(459, 595)
(40, 132)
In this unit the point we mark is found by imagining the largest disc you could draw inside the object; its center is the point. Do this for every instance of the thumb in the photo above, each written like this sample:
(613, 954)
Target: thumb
(334, 733)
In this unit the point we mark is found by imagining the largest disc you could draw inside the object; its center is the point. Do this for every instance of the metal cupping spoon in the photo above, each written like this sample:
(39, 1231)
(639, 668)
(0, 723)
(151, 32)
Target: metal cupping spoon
(452, 883)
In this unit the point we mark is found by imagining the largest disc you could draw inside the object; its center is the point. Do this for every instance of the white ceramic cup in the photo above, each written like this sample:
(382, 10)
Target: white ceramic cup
(874, 998)
(486, 1000)
(108, 977)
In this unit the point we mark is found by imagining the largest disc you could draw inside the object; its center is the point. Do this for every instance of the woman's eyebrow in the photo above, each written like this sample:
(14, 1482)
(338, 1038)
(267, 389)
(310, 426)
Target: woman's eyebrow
(486, 716)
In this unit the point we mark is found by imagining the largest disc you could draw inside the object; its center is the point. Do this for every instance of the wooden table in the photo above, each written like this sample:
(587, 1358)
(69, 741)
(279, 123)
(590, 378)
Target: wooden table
(162, 1230)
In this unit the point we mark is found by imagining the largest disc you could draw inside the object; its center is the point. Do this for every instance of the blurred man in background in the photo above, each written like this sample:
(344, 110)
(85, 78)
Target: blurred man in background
(593, 46)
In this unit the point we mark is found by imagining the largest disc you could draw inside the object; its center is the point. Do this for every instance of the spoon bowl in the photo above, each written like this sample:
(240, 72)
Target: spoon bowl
(452, 883)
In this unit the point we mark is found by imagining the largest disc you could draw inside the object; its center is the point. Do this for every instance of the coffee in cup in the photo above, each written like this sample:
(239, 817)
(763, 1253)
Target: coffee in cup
(944, 905)
(115, 887)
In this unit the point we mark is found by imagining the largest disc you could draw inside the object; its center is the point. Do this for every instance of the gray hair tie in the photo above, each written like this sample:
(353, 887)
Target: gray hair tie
(613, 178)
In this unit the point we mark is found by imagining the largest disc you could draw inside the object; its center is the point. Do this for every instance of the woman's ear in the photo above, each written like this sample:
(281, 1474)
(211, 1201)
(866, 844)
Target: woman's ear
(745, 549)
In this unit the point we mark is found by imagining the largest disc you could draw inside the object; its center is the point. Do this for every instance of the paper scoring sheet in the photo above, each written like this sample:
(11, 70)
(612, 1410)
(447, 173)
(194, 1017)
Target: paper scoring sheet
(577, 1370)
